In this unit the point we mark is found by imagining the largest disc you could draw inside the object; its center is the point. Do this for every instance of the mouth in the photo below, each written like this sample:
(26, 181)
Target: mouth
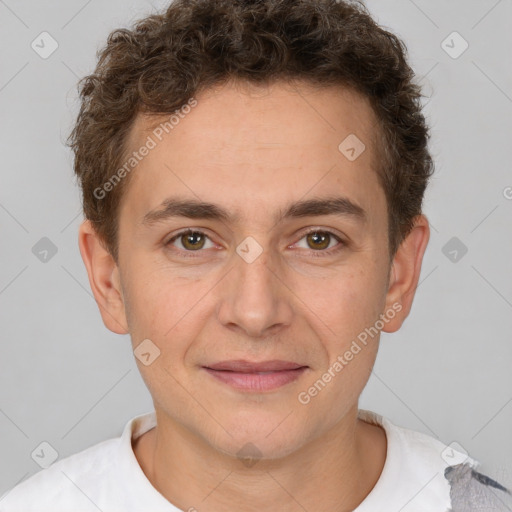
(255, 376)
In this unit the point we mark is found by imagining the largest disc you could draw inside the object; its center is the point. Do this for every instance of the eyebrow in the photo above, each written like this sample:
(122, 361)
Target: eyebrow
(195, 209)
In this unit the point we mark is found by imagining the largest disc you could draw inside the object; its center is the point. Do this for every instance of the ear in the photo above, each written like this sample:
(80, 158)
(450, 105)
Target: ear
(405, 273)
(104, 278)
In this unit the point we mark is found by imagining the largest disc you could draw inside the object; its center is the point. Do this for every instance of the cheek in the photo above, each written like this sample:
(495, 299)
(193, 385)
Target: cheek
(165, 311)
(157, 302)
(176, 315)
(350, 311)
(348, 302)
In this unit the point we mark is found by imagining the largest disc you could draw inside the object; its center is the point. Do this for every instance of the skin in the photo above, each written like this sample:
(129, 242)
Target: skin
(253, 151)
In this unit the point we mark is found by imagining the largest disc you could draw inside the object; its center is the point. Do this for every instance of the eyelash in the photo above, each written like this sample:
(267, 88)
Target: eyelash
(315, 253)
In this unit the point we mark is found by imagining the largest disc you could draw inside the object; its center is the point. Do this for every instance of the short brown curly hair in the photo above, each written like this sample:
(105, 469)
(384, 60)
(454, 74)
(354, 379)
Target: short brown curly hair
(168, 58)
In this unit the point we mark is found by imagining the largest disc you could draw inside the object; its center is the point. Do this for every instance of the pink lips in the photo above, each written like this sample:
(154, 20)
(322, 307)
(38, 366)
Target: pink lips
(256, 376)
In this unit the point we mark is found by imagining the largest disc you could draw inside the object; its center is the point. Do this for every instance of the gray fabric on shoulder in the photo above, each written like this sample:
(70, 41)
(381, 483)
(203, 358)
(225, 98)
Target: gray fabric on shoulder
(471, 491)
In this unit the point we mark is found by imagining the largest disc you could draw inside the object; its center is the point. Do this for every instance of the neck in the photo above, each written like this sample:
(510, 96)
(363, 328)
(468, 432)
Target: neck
(345, 464)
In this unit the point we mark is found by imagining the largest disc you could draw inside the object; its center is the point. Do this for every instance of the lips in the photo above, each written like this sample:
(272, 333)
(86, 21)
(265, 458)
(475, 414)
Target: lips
(251, 376)
(242, 366)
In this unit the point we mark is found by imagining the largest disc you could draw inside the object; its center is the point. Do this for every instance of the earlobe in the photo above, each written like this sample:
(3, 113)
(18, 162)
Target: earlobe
(104, 278)
(405, 273)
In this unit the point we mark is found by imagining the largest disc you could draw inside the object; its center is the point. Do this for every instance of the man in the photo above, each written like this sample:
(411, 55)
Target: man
(252, 176)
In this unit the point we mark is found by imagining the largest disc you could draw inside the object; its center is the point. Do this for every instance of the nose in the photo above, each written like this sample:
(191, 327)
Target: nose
(254, 299)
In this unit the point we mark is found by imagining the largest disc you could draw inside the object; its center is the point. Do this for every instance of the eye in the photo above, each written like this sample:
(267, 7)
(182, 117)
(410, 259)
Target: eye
(321, 241)
(191, 240)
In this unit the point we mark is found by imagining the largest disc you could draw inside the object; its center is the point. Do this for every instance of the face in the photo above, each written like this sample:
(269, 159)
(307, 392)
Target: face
(253, 254)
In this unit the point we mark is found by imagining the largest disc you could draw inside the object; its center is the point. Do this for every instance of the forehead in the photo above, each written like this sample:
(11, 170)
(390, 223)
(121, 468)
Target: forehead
(244, 145)
(257, 116)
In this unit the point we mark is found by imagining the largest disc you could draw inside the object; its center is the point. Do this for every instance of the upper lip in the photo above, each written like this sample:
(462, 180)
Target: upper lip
(243, 366)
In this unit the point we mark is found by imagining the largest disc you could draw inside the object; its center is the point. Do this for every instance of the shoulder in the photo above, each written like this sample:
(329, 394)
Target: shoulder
(433, 475)
(67, 482)
(106, 476)
(470, 488)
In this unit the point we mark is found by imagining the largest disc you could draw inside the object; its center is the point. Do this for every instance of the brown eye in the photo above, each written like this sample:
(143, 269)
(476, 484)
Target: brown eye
(193, 240)
(321, 243)
(318, 240)
(190, 240)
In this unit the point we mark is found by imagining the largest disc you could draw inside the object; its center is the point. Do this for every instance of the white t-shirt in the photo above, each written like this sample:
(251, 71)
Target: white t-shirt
(107, 476)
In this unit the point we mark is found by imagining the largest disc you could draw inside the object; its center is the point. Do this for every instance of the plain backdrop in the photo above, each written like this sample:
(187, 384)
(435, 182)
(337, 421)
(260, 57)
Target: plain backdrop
(68, 381)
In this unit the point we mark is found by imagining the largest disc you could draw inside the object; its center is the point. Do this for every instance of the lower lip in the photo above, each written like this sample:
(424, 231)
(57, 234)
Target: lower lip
(257, 381)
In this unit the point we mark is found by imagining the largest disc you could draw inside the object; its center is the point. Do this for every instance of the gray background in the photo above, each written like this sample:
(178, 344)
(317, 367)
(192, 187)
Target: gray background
(70, 382)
